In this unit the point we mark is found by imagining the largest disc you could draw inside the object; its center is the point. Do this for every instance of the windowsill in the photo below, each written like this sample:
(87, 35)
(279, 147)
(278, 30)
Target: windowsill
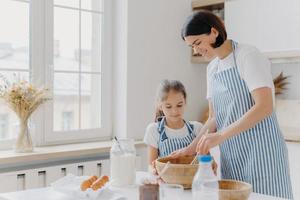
(9, 157)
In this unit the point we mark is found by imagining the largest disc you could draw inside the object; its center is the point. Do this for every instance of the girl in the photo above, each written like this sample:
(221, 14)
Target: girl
(170, 131)
(240, 92)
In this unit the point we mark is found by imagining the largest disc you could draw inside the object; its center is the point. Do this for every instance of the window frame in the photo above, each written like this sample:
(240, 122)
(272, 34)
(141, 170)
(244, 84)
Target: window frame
(41, 73)
(6, 117)
(104, 133)
(8, 143)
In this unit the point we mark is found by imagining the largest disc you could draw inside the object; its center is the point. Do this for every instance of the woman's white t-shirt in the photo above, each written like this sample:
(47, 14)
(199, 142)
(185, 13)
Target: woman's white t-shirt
(152, 135)
(253, 67)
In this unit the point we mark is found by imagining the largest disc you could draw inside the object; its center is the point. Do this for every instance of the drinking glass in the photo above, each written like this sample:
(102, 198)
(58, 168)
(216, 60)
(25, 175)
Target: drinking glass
(170, 192)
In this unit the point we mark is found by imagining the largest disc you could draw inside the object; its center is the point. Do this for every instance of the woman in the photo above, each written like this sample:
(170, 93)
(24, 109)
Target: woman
(241, 100)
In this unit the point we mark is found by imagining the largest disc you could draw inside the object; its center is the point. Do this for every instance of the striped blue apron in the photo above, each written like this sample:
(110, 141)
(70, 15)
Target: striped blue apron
(168, 145)
(259, 155)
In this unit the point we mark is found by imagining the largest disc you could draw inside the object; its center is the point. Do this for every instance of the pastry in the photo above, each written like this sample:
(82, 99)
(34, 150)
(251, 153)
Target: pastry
(100, 182)
(87, 183)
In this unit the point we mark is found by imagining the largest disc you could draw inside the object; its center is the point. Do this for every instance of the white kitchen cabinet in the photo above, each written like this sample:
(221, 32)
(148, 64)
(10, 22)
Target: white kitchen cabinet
(294, 152)
(272, 26)
(10, 182)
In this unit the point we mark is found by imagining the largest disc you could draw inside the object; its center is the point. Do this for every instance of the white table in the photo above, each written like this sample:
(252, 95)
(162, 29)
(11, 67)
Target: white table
(130, 193)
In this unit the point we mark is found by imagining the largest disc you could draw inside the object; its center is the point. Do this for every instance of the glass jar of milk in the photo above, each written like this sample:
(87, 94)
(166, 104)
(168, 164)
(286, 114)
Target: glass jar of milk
(122, 162)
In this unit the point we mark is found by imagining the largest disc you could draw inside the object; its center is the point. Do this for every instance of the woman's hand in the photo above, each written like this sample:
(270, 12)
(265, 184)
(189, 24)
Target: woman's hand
(208, 141)
(186, 151)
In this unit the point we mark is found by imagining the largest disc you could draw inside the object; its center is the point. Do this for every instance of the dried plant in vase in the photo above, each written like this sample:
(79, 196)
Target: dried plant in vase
(279, 81)
(23, 98)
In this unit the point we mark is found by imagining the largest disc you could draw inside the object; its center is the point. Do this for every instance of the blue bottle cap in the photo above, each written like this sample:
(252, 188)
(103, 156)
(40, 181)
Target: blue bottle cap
(205, 158)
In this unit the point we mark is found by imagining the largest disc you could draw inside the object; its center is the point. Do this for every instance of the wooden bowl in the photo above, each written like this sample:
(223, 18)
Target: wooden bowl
(179, 171)
(234, 190)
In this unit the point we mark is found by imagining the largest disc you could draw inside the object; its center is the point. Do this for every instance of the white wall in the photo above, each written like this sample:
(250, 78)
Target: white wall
(264, 24)
(148, 48)
(151, 50)
(119, 67)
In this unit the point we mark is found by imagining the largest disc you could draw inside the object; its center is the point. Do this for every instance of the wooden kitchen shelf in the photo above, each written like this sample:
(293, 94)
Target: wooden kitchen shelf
(199, 59)
(202, 4)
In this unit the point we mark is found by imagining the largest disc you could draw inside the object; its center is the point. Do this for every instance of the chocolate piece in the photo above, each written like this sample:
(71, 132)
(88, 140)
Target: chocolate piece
(149, 192)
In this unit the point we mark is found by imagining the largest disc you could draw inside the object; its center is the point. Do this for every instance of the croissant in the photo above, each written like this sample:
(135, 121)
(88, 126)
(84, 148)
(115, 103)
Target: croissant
(100, 182)
(87, 183)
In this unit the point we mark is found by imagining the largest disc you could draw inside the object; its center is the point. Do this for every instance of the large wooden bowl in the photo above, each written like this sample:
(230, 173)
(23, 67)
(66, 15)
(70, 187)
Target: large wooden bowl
(179, 171)
(234, 190)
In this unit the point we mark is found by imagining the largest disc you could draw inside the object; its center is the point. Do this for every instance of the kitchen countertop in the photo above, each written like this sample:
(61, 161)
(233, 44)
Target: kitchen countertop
(130, 193)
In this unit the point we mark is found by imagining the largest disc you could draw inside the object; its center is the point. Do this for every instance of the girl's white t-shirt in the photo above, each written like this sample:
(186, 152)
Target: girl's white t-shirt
(152, 135)
(253, 67)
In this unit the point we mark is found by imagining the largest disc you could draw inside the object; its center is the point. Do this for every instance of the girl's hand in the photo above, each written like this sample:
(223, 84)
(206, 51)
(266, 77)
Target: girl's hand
(208, 141)
(154, 179)
(152, 168)
(182, 152)
(214, 166)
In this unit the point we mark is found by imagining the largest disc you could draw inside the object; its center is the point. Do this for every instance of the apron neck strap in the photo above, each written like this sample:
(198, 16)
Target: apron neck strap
(234, 46)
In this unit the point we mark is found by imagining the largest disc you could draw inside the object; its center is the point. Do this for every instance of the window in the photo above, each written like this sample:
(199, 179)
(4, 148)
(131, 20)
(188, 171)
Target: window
(77, 63)
(68, 51)
(14, 56)
(4, 126)
(67, 120)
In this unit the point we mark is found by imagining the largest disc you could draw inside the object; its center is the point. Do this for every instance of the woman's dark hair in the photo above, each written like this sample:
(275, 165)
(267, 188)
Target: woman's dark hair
(162, 94)
(201, 22)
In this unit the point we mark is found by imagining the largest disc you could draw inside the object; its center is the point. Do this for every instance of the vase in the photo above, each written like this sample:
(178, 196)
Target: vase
(24, 142)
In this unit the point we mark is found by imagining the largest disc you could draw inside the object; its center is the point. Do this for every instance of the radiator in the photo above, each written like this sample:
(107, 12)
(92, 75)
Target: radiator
(43, 177)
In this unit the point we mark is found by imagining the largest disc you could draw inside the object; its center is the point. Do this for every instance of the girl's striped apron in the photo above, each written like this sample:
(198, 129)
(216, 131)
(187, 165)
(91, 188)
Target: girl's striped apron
(259, 155)
(168, 145)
